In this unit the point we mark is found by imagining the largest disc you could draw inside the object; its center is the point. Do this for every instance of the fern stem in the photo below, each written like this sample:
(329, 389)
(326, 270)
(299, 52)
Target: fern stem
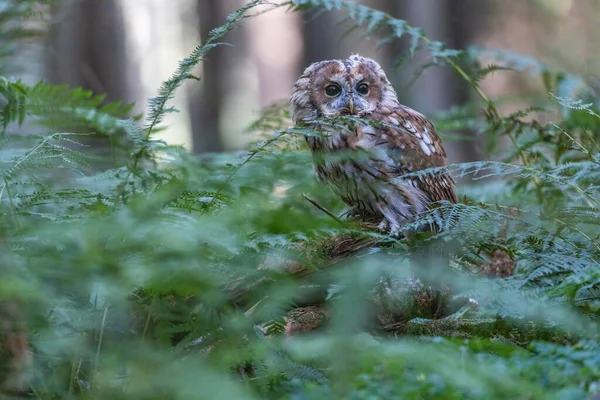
(13, 208)
(581, 147)
(72, 376)
(490, 105)
(582, 233)
(97, 356)
(185, 67)
(463, 74)
(487, 100)
(32, 151)
(539, 217)
(275, 137)
(146, 325)
(183, 73)
(36, 393)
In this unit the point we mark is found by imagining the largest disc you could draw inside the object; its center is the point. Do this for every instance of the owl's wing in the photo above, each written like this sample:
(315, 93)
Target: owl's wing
(411, 144)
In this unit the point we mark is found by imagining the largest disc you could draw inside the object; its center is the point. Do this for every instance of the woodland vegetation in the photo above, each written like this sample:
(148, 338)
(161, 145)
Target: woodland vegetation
(159, 274)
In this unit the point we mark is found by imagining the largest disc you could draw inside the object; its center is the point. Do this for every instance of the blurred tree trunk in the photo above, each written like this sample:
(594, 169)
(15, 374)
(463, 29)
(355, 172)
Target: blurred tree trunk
(455, 22)
(206, 103)
(277, 49)
(321, 37)
(87, 48)
(219, 109)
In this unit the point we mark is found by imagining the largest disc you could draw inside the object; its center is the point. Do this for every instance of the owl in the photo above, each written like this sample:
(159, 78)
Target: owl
(364, 160)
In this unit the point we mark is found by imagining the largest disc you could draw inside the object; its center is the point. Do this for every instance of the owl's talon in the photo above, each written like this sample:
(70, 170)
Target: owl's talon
(351, 213)
(383, 226)
(395, 231)
(391, 229)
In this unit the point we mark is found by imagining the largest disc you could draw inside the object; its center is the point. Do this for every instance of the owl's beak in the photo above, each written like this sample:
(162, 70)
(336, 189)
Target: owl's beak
(351, 105)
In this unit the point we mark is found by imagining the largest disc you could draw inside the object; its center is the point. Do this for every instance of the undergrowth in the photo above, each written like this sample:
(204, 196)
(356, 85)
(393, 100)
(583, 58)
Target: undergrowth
(170, 276)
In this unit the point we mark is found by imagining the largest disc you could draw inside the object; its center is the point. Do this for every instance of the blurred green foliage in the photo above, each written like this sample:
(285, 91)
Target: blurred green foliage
(162, 276)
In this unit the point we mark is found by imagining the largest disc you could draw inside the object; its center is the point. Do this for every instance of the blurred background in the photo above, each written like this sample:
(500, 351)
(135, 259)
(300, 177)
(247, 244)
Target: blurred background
(126, 48)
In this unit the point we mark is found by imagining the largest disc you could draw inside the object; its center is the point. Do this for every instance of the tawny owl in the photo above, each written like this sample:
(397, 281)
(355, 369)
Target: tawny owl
(385, 138)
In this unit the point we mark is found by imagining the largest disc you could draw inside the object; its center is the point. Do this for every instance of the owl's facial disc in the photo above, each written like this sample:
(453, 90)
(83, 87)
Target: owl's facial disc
(347, 89)
(343, 96)
(357, 86)
(341, 99)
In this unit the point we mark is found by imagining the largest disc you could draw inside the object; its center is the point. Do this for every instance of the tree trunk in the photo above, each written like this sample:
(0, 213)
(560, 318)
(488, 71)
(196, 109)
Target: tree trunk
(205, 104)
(455, 23)
(87, 49)
(277, 49)
(322, 38)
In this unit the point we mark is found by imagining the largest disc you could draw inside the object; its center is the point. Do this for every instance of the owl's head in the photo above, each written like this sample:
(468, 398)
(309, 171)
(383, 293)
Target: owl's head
(357, 85)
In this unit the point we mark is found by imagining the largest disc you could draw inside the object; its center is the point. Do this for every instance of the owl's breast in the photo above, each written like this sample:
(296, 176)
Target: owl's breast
(337, 165)
(358, 169)
(331, 143)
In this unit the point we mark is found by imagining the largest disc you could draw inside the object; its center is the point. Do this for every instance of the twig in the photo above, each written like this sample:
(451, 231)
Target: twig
(326, 211)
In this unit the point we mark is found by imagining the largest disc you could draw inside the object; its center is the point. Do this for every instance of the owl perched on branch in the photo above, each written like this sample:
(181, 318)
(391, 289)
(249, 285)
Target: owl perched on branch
(363, 159)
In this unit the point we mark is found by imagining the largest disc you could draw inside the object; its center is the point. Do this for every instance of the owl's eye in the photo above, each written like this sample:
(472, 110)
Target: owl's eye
(333, 90)
(363, 89)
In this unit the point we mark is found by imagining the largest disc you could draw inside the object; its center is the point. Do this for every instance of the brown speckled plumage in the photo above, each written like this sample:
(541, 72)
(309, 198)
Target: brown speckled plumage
(385, 141)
